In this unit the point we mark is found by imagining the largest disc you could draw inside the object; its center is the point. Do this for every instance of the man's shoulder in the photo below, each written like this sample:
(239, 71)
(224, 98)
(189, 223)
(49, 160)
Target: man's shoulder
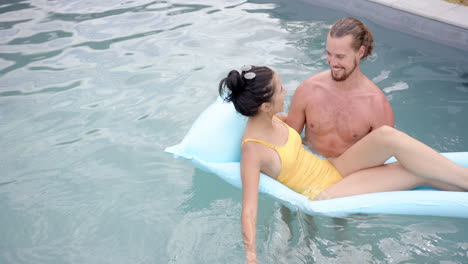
(315, 82)
(318, 77)
(379, 99)
(368, 83)
(369, 86)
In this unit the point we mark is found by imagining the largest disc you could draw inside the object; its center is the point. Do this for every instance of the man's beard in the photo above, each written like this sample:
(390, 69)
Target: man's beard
(345, 75)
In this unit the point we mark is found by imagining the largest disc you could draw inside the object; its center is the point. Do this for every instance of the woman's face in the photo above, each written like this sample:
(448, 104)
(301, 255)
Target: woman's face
(277, 101)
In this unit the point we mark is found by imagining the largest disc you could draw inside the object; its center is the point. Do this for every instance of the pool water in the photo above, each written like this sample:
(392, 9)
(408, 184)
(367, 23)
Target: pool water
(91, 92)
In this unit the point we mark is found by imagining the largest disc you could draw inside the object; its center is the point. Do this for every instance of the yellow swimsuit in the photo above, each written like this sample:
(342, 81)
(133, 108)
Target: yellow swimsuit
(301, 170)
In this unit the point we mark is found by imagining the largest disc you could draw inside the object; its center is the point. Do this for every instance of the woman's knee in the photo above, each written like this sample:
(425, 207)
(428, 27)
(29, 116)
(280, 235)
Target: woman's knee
(389, 135)
(386, 130)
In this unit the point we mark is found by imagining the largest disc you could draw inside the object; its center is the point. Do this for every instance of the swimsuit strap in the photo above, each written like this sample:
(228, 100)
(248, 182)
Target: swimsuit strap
(276, 118)
(259, 141)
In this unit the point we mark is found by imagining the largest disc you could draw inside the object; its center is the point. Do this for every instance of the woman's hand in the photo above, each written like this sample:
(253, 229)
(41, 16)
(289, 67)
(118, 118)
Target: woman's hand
(251, 258)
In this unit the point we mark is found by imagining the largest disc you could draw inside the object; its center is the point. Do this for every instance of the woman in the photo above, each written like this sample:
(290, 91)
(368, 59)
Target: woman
(275, 149)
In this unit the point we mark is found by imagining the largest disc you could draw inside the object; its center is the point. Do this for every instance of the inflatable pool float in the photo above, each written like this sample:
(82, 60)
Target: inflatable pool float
(213, 145)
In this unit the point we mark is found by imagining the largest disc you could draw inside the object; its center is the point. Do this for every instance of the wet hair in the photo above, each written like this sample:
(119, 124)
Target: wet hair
(248, 95)
(362, 36)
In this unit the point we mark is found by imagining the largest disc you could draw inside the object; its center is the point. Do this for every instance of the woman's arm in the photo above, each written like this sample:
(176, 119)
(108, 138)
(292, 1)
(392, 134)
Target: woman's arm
(250, 173)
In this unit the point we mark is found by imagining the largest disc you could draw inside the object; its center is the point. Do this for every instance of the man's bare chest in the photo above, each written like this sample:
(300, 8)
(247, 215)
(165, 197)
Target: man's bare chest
(346, 119)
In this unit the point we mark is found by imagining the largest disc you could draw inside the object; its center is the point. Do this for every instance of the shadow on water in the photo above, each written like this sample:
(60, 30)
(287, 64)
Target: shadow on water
(207, 188)
(464, 76)
(374, 238)
(305, 227)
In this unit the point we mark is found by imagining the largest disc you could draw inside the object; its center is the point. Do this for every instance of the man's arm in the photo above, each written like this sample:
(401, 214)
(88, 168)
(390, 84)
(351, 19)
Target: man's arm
(383, 113)
(296, 116)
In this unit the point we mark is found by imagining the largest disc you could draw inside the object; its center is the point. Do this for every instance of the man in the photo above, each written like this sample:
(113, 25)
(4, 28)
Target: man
(341, 105)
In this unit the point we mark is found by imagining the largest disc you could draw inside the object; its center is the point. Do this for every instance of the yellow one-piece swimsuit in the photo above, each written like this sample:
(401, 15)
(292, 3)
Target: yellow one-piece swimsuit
(301, 170)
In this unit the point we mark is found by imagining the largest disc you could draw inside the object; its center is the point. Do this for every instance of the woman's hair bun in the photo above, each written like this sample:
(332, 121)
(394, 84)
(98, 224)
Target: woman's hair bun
(249, 89)
(234, 84)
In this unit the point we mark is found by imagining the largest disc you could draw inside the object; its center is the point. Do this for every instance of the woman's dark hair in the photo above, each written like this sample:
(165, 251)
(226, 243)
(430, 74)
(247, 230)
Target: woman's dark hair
(248, 94)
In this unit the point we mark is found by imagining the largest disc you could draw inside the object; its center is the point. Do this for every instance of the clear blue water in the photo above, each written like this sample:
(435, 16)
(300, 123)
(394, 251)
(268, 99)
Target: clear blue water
(91, 92)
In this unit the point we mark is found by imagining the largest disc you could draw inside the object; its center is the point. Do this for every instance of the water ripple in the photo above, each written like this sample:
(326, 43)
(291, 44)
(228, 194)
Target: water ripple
(186, 9)
(15, 7)
(55, 89)
(10, 24)
(20, 60)
(80, 17)
(41, 37)
(101, 45)
(44, 68)
(91, 92)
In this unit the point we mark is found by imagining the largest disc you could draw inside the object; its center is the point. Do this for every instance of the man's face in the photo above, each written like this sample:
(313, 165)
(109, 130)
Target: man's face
(341, 57)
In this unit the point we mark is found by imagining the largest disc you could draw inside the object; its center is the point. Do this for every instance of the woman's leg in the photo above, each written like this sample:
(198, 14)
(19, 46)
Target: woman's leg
(385, 178)
(417, 158)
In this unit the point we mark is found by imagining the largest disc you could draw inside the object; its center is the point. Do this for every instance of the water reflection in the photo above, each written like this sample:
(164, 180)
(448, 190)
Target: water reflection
(92, 92)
